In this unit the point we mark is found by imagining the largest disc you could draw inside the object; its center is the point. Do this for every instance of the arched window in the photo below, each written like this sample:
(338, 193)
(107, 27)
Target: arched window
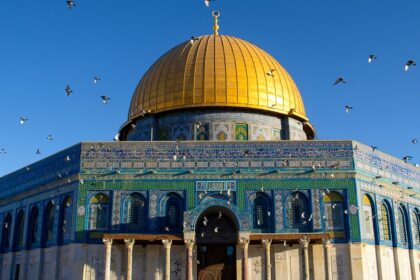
(297, 215)
(402, 226)
(173, 214)
(384, 224)
(333, 211)
(7, 226)
(33, 235)
(415, 223)
(368, 218)
(99, 212)
(135, 212)
(20, 229)
(262, 212)
(49, 222)
(66, 219)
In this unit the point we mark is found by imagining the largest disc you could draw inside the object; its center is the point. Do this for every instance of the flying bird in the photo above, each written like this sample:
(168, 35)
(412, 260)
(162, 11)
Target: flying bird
(270, 72)
(23, 120)
(49, 137)
(340, 80)
(67, 159)
(70, 4)
(105, 99)
(371, 58)
(207, 3)
(414, 141)
(2, 151)
(193, 39)
(38, 151)
(216, 229)
(220, 215)
(348, 108)
(407, 158)
(409, 64)
(117, 137)
(68, 90)
(374, 148)
(96, 79)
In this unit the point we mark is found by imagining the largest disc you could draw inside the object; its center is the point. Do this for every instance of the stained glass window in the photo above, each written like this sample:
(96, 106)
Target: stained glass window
(368, 218)
(384, 222)
(415, 221)
(66, 219)
(402, 226)
(20, 227)
(333, 211)
(174, 215)
(99, 211)
(33, 226)
(262, 211)
(135, 212)
(49, 222)
(296, 212)
(7, 226)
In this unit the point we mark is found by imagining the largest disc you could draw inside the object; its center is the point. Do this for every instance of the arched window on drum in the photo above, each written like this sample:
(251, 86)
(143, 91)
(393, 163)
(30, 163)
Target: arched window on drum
(368, 218)
(297, 214)
(99, 212)
(262, 212)
(334, 211)
(173, 213)
(402, 225)
(415, 225)
(385, 222)
(135, 213)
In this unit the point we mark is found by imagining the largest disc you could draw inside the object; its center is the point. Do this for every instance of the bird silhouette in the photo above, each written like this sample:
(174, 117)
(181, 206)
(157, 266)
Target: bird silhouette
(105, 99)
(271, 72)
(193, 39)
(68, 90)
(96, 79)
(340, 80)
(409, 64)
(348, 108)
(70, 4)
(23, 120)
(371, 58)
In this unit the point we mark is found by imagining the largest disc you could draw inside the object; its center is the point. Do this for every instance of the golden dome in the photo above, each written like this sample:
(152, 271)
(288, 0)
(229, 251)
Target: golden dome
(217, 71)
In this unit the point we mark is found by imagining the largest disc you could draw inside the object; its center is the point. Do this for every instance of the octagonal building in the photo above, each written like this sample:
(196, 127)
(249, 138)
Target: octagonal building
(216, 176)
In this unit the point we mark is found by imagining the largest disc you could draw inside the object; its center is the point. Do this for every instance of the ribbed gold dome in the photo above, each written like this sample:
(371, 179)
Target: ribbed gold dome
(217, 71)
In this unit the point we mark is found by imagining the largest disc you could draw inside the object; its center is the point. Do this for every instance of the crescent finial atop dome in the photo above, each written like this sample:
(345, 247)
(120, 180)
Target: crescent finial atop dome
(216, 15)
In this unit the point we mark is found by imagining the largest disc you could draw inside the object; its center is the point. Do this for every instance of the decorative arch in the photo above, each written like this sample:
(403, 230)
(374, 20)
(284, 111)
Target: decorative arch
(368, 217)
(19, 229)
(385, 221)
(261, 210)
(66, 219)
(333, 211)
(297, 212)
(415, 215)
(33, 227)
(6, 232)
(135, 213)
(99, 212)
(174, 208)
(402, 224)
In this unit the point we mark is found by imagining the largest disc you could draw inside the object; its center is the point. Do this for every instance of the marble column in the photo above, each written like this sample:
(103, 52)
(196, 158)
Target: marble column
(108, 247)
(304, 243)
(327, 250)
(167, 246)
(129, 244)
(189, 244)
(244, 245)
(267, 246)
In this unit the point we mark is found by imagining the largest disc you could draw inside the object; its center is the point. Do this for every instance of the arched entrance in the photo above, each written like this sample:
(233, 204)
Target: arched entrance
(216, 236)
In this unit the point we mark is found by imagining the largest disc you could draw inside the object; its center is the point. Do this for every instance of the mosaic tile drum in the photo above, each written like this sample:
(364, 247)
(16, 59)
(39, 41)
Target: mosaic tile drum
(216, 176)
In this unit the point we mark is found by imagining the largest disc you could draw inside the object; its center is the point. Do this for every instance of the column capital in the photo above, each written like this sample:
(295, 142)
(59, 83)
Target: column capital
(244, 242)
(107, 241)
(327, 242)
(129, 242)
(167, 243)
(304, 242)
(189, 243)
(266, 242)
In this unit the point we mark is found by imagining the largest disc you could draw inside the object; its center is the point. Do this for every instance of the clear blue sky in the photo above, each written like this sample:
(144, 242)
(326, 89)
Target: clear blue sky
(44, 46)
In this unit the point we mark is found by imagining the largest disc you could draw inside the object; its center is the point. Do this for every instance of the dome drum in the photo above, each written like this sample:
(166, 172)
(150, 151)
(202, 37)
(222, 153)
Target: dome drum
(214, 124)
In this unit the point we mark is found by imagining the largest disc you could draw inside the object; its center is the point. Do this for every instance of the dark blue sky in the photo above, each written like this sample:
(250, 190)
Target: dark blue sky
(44, 46)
